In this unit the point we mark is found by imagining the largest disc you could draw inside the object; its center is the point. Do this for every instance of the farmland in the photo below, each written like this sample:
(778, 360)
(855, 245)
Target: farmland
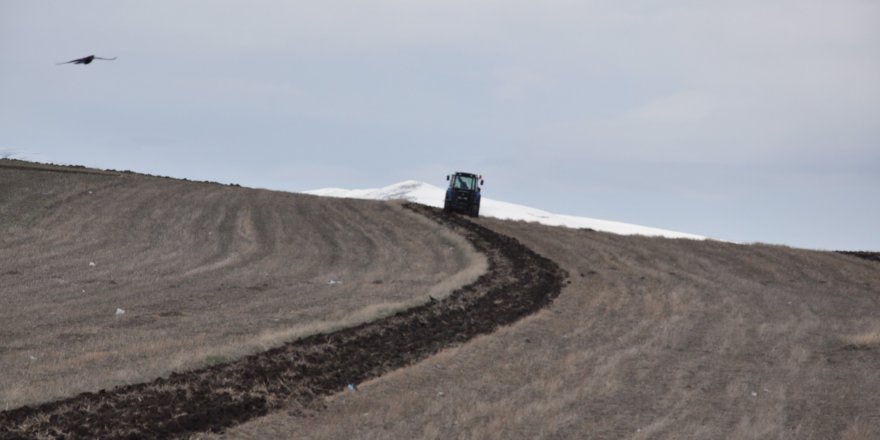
(641, 337)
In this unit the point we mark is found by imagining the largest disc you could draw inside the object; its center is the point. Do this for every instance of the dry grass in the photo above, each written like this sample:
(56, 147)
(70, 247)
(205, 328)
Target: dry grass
(867, 340)
(653, 339)
(204, 273)
(862, 430)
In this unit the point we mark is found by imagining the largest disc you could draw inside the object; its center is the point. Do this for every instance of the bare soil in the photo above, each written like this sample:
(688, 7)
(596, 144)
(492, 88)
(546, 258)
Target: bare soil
(653, 339)
(649, 338)
(204, 273)
(872, 256)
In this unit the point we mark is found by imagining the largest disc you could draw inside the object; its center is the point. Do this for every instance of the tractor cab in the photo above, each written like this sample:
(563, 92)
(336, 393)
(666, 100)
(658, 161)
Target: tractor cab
(463, 193)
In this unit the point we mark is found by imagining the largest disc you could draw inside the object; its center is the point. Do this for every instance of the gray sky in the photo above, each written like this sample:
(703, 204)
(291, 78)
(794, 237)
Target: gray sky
(748, 120)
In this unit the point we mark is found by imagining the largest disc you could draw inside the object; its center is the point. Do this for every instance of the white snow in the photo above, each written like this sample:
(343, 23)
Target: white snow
(431, 195)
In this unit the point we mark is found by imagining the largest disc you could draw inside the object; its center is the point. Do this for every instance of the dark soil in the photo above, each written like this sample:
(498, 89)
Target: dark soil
(518, 283)
(871, 256)
(15, 164)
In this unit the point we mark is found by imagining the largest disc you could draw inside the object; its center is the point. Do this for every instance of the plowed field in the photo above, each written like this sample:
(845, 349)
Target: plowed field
(653, 339)
(648, 338)
(203, 272)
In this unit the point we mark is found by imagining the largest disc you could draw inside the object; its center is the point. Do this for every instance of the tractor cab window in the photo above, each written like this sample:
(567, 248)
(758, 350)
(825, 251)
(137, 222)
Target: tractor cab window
(465, 182)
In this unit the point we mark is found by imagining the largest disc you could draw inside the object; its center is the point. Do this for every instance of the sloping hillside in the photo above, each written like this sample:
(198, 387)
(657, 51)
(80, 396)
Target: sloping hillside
(653, 339)
(203, 273)
(299, 374)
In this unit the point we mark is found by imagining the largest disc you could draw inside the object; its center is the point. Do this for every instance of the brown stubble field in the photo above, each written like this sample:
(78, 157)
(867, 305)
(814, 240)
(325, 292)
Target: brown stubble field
(204, 272)
(653, 339)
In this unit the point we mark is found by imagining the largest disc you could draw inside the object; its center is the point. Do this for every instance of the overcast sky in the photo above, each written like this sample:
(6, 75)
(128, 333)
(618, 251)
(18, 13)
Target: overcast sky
(747, 120)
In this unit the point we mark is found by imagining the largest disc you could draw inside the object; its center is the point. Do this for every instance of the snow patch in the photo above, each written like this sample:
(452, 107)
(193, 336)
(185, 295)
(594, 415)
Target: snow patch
(427, 194)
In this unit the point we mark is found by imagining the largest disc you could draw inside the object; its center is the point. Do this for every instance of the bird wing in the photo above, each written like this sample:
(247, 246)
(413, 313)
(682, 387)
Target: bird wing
(83, 60)
(108, 59)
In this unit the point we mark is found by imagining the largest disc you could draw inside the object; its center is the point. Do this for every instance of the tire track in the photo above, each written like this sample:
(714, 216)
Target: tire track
(517, 283)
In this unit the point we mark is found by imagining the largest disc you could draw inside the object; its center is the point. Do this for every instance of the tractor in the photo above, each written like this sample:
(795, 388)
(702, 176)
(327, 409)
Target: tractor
(463, 193)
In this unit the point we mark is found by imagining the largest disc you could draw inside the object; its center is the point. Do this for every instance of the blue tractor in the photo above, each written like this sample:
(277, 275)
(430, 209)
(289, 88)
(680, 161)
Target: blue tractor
(463, 193)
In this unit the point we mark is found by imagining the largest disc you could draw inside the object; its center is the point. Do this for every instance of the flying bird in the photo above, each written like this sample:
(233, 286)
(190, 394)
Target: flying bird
(86, 60)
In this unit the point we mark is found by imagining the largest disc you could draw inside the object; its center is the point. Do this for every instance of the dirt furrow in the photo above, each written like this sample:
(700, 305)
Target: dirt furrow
(518, 282)
(870, 256)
